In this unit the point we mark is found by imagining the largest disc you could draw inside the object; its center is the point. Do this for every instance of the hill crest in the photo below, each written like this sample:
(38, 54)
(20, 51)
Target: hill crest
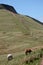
(12, 9)
(8, 7)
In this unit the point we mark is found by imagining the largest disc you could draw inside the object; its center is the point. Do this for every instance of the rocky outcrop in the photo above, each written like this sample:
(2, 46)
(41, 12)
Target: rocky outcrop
(8, 7)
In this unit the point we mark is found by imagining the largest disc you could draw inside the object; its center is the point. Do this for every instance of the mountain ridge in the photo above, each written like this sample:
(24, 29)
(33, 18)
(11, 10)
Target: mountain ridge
(35, 20)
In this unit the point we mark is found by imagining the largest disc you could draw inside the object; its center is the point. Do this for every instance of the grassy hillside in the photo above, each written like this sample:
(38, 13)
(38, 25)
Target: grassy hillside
(18, 32)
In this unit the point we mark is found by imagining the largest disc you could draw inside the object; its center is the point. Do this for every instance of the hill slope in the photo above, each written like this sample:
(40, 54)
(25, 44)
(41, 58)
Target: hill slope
(18, 32)
(14, 28)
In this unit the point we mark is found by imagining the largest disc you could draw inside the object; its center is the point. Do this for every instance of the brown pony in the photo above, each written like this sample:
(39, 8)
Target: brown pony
(28, 51)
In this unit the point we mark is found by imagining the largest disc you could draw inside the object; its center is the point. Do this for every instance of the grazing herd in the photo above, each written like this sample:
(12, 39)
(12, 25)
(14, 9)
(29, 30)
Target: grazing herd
(29, 59)
(10, 56)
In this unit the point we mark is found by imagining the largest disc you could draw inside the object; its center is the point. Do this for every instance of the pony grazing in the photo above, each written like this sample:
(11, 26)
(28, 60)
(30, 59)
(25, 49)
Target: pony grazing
(28, 51)
(9, 57)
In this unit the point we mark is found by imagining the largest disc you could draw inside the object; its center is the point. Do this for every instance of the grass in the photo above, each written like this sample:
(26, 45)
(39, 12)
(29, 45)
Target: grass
(18, 32)
(19, 59)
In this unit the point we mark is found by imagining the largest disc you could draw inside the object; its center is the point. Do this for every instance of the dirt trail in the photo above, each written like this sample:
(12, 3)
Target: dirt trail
(37, 47)
(23, 51)
(11, 13)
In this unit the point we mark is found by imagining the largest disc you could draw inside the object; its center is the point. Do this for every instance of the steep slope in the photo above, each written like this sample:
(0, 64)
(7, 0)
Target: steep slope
(18, 29)
(17, 32)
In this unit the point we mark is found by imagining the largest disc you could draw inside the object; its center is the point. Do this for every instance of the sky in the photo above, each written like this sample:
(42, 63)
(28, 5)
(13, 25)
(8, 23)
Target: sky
(33, 8)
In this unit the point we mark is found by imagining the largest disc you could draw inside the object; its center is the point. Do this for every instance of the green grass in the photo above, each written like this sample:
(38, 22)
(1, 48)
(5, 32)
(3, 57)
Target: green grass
(19, 59)
(18, 32)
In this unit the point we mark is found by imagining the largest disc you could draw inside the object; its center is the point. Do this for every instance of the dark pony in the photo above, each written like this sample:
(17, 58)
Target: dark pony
(28, 51)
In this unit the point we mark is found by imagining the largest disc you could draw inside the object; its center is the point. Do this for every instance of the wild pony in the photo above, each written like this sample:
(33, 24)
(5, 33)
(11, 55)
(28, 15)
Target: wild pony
(28, 51)
(9, 57)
